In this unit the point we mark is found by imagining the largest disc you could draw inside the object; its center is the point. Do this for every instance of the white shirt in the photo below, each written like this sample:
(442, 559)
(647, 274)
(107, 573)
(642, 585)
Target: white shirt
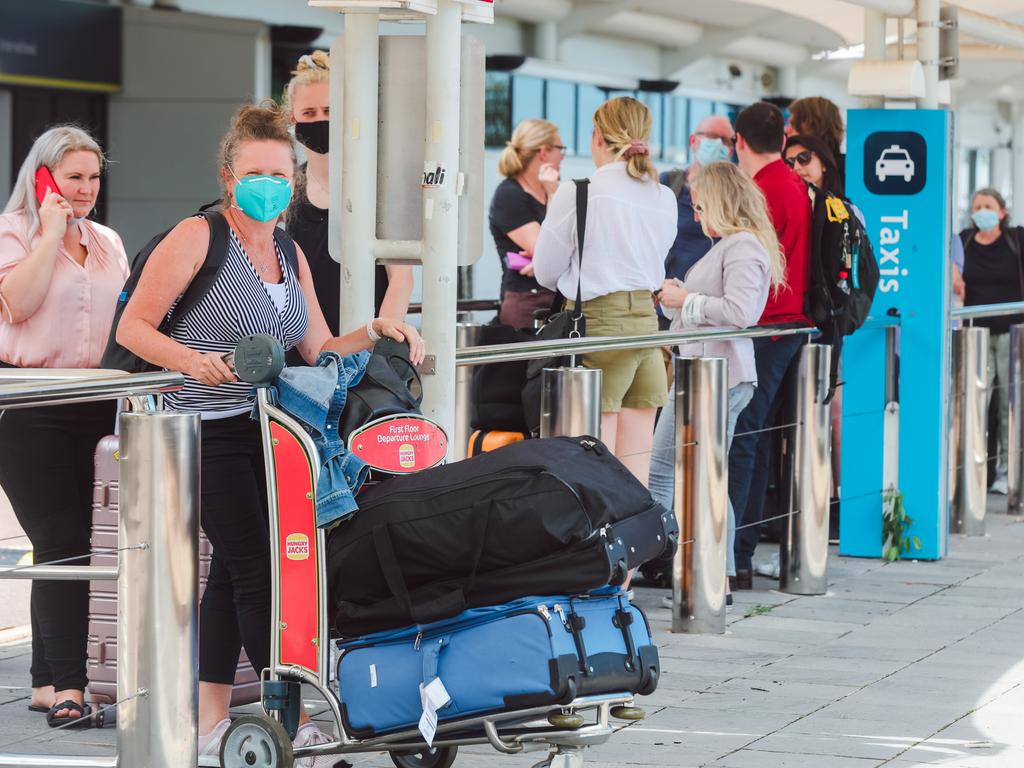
(630, 227)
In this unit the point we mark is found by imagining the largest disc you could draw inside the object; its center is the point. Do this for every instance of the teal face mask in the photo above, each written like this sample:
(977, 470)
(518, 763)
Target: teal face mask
(985, 219)
(712, 151)
(262, 197)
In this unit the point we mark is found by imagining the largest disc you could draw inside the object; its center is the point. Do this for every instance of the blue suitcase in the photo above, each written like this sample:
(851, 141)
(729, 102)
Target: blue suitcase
(533, 652)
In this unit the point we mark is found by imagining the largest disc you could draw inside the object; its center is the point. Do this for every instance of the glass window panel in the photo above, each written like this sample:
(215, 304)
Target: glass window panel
(654, 102)
(588, 99)
(527, 98)
(678, 139)
(560, 109)
(497, 109)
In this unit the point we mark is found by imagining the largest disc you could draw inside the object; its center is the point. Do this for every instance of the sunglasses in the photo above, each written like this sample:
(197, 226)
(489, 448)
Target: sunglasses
(730, 140)
(560, 147)
(800, 158)
(698, 208)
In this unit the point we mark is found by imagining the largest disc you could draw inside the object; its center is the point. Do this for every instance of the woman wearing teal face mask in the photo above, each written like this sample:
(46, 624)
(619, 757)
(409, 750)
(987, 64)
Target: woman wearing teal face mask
(993, 274)
(258, 290)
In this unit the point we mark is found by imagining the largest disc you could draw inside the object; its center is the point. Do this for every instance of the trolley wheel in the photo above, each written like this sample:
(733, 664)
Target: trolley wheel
(628, 713)
(256, 741)
(568, 720)
(438, 757)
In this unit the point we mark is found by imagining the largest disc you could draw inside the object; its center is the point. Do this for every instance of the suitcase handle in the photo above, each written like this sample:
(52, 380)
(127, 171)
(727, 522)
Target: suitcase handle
(452, 602)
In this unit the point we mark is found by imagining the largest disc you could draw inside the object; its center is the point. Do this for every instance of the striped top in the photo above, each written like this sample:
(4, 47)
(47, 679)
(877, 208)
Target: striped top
(238, 304)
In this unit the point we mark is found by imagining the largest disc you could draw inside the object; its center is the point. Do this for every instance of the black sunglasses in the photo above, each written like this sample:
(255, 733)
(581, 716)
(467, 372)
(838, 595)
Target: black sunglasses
(801, 158)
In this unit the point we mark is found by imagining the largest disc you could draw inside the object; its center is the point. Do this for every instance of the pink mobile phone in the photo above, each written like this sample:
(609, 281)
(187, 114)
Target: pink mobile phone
(516, 261)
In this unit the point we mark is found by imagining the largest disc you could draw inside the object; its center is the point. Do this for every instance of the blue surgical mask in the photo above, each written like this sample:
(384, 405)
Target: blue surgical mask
(262, 197)
(985, 219)
(712, 151)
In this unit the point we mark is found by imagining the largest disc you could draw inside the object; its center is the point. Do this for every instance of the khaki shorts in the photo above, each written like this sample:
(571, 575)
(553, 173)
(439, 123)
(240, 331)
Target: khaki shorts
(632, 378)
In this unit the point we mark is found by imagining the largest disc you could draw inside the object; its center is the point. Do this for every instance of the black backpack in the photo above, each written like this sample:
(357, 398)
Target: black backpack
(844, 274)
(117, 357)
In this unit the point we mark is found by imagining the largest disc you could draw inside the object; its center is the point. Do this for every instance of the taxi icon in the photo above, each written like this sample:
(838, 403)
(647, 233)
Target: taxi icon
(894, 161)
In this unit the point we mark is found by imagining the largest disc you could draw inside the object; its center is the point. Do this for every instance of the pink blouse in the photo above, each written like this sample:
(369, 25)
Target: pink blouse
(70, 328)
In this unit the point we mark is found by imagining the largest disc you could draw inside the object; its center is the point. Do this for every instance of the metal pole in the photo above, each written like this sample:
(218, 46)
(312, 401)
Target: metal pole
(61, 572)
(701, 493)
(970, 393)
(441, 207)
(928, 50)
(466, 335)
(352, 221)
(158, 590)
(803, 555)
(1014, 463)
(891, 420)
(570, 402)
(874, 47)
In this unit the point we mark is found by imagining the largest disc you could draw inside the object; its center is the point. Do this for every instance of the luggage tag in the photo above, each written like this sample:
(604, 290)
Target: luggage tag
(433, 695)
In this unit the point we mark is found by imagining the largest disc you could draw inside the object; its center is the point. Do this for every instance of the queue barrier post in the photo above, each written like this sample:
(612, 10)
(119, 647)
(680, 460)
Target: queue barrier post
(803, 553)
(1015, 442)
(701, 495)
(969, 431)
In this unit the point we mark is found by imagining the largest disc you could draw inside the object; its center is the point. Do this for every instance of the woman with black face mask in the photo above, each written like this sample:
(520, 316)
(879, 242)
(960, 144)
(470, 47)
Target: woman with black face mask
(307, 102)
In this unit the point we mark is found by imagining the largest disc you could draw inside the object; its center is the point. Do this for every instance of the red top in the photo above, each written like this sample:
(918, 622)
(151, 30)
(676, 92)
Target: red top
(790, 209)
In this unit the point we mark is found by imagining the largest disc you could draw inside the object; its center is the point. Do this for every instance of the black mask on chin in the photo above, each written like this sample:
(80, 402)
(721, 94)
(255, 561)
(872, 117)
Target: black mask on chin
(314, 136)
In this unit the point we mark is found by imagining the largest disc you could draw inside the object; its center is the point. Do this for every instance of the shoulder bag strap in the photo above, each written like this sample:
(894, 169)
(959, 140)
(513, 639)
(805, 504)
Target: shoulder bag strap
(582, 189)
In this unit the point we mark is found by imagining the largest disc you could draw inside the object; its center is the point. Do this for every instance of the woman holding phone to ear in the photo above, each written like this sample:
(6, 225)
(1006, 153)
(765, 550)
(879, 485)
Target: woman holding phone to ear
(60, 276)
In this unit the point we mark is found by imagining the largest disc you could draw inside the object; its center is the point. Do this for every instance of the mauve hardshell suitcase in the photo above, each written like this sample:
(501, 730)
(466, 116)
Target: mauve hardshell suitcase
(102, 661)
(555, 515)
(533, 652)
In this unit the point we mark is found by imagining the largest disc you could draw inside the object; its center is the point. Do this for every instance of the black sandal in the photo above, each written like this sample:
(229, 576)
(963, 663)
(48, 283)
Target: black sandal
(38, 708)
(83, 720)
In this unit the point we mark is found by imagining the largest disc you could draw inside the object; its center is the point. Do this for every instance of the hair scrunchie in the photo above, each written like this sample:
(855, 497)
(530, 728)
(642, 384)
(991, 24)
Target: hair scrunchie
(636, 147)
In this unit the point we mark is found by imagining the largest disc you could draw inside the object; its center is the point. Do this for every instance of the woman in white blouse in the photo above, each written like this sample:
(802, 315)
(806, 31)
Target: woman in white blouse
(727, 287)
(630, 226)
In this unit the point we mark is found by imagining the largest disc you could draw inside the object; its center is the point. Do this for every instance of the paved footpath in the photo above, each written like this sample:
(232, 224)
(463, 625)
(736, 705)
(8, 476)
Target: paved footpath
(899, 665)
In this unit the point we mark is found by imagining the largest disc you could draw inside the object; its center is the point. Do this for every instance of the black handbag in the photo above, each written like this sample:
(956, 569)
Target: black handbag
(561, 323)
(384, 388)
(497, 388)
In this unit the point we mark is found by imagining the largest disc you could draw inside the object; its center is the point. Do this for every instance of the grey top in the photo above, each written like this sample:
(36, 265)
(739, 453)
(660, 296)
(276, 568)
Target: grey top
(727, 287)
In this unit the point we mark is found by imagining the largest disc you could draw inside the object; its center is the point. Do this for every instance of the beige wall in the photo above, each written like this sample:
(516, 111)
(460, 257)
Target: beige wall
(184, 75)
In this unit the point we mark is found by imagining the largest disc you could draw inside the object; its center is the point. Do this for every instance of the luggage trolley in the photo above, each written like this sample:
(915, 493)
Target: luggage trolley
(301, 647)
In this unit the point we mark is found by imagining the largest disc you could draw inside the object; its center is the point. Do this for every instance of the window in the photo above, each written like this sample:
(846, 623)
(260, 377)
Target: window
(677, 140)
(560, 109)
(497, 109)
(654, 102)
(588, 99)
(527, 98)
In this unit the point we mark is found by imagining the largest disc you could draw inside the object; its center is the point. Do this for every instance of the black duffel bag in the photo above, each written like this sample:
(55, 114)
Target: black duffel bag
(384, 388)
(554, 516)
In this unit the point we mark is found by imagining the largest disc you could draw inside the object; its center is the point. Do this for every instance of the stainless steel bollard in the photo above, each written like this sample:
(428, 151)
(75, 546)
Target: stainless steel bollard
(803, 553)
(570, 402)
(701, 493)
(157, 638)
(466, 335)
(970, 462)
(1015, 444)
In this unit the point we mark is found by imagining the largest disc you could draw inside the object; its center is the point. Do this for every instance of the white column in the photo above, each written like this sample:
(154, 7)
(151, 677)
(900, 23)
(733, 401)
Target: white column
(874, 48)
(1017, 197)
(352, 226)
(928, 51)
(545, 45)
(441, 208)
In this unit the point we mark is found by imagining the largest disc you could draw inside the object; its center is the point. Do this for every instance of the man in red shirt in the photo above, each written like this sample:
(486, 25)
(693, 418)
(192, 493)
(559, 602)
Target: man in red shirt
(760, 135)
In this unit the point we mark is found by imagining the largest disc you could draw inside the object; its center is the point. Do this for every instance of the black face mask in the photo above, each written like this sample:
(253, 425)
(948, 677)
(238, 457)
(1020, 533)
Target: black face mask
(314, 136)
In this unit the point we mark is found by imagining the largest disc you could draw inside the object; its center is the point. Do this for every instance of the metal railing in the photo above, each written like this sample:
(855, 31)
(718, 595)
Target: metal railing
(157, 570)
(701, 495)
(978, 311)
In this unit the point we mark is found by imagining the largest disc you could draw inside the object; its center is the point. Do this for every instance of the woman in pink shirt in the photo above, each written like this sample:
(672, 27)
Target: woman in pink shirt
(60, 276)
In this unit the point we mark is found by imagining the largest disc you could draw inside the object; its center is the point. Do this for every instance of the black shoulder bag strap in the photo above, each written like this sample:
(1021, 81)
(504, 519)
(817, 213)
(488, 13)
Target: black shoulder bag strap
(582, 188)
(216, 253)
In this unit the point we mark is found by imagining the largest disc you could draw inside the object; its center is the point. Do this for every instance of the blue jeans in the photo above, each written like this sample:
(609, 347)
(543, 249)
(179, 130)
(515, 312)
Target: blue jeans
(662, 453)
(748, 467)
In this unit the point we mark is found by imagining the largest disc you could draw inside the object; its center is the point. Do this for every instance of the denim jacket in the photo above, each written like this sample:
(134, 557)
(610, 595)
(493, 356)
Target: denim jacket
(315, 395)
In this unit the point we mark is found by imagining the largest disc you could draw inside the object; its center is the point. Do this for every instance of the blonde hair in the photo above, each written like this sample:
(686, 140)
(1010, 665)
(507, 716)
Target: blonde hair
(49, 149)
(622, 121)
(529, 137)
(266, 121)
(312, 68)
(733, 203)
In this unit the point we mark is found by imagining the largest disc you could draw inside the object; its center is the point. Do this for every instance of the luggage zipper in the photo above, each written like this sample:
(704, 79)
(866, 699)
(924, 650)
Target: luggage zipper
(520, 471)
(543, 611)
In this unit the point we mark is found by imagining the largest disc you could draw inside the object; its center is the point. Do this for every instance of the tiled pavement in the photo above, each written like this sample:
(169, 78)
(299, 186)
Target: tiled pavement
(899, 665)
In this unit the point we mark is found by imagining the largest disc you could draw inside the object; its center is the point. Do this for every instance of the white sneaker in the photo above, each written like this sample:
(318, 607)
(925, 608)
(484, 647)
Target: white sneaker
(209, 745)
(1000, 486)
(769, 569)
(309, 735)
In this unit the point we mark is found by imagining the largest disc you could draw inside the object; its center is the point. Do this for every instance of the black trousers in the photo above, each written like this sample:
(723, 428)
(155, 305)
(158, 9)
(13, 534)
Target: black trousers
(235, 609)
(46, 470)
